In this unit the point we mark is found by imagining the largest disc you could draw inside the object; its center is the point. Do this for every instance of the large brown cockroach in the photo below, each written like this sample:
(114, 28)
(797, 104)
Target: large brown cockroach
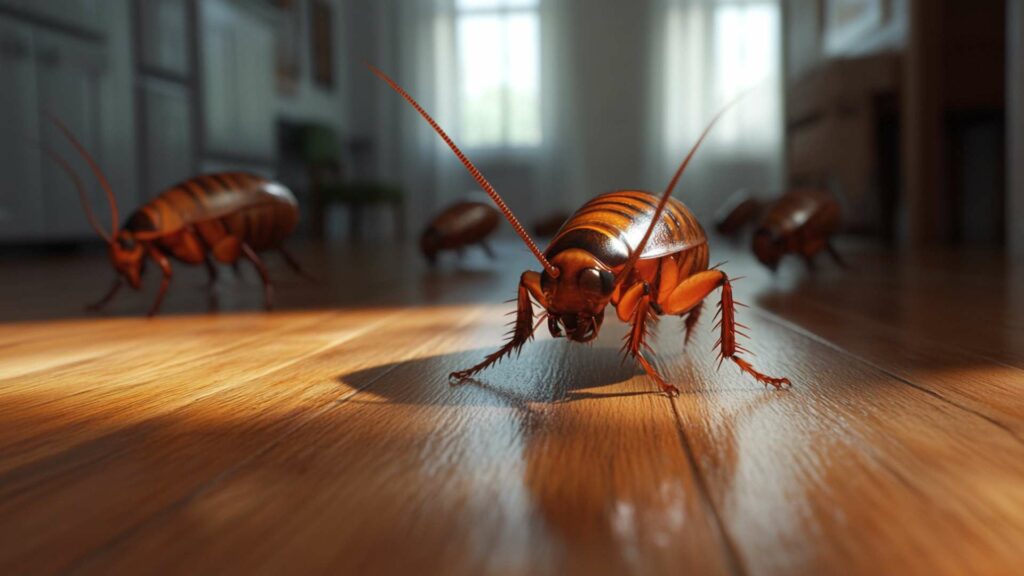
(644, 254)
(460, 225)
(801, 222)
(228, 215)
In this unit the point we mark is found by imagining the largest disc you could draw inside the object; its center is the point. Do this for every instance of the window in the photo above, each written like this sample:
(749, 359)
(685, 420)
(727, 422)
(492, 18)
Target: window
(498, 56)
(746, 53)
(717, 50)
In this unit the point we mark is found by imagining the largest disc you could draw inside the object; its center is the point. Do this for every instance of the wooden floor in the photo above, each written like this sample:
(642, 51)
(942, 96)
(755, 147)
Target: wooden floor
(325, 438)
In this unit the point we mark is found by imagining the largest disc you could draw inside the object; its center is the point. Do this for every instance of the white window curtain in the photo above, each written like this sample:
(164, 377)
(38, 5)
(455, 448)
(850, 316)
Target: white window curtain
(705, 54)
(424, 48)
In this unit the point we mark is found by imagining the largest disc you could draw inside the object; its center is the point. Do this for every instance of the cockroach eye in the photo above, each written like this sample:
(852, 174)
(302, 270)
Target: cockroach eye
(596, 281)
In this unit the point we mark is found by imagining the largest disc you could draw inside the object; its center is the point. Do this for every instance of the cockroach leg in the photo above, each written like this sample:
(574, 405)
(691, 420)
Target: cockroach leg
(211, 272)
(487, 249)
(728, 348)
(102, 302)
(692, 317)
(295, 266)
(554, 328)
(635, 342)
(268, 288)
(165, 281)
(694, 290)
(836, 256)
(626, 305)
(522, 331)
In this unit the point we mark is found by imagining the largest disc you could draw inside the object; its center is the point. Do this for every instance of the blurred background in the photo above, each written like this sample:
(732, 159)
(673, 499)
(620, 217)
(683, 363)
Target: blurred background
(910, 110)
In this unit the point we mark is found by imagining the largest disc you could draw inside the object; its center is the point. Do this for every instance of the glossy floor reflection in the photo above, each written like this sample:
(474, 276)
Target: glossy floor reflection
(325, 437)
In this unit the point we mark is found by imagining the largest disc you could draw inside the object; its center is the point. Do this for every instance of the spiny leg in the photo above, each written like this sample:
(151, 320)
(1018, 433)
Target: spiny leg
(692, 291)
(642, 316)
(294, 265)
(729, 348)
(211, 272)
(102, 302)
(487, 249)
(692, 317)
(268, 288)
(165, 281)
(836, 256)
(522, 329)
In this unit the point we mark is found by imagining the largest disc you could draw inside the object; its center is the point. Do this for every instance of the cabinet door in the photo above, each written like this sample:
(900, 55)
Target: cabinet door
(69, 75)
(238, 80)
(21, 206)
(168, 140)
(78, 13)
(163, 35)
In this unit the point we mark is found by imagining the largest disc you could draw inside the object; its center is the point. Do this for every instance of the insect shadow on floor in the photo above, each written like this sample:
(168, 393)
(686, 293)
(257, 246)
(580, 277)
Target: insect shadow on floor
(557, 373)
(552, 376)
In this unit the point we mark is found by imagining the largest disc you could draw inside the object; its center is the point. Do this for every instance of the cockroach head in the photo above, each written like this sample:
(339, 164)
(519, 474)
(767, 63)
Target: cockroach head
(579, 295)
(768, 248)
(126, 254)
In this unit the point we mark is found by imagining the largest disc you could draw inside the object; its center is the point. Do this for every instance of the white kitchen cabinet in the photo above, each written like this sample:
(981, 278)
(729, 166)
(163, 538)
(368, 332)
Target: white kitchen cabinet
(80, 14)
(21, 200)
(164, 37)
(238, 80)
(68, 76)
(168, 140)
(49, 71)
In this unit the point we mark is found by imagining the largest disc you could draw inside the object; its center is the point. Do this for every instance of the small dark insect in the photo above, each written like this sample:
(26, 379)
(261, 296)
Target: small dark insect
(228, 216)
(801, 222)
(460, 225)
(739, 210)
(646, 255)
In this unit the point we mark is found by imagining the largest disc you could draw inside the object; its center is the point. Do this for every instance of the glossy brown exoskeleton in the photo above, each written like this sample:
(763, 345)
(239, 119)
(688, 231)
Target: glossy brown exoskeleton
(223, 217)
(644, 254)
(460, 225)
(800, 222)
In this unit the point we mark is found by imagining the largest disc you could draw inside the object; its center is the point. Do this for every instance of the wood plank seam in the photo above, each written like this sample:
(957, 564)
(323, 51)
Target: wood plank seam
(736, 564)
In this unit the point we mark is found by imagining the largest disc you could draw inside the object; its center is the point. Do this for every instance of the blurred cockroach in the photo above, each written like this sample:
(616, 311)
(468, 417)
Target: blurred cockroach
(801, 222)
(646, 255)
(228, 216)
(739, 210)
(460, 225)
(549, 225)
